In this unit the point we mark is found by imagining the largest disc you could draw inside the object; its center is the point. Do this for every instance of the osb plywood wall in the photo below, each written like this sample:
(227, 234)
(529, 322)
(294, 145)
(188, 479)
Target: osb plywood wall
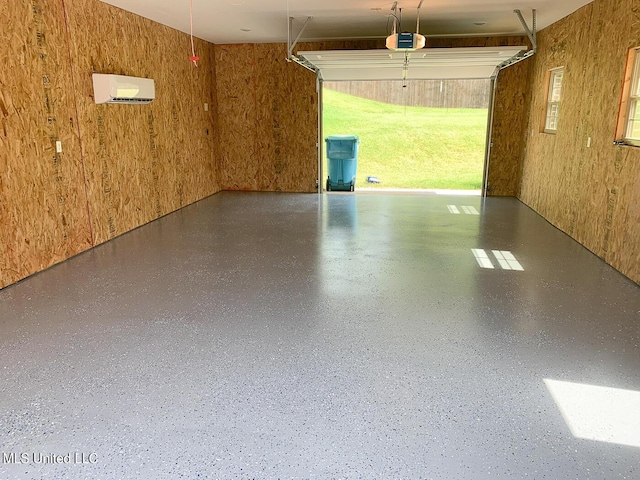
(43, 211)
(121, 165)
(591, 193)
(268, 110)
(141, 161)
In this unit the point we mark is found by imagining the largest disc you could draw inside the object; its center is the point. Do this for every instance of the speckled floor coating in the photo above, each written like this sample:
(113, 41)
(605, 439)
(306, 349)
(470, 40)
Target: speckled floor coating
(306, 336)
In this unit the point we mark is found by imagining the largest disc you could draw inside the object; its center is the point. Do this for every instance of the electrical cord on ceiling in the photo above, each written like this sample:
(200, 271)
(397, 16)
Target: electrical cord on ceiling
(194, 58)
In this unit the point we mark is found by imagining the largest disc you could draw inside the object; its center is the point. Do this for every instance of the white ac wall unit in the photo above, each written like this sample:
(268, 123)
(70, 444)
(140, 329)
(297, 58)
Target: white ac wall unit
(109, 88)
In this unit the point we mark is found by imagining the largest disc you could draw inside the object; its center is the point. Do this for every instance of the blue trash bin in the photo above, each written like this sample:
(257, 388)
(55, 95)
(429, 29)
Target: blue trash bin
(342, 156)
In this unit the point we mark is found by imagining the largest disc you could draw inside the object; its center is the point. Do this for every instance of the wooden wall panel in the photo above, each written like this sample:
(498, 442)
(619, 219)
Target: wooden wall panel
(508, 131)
(121, 165)
(340, 45)
(43, 211)
(142, 161)
(592, 193)
(556, 44)
(235, 90)
(268, 110)
(275, 116)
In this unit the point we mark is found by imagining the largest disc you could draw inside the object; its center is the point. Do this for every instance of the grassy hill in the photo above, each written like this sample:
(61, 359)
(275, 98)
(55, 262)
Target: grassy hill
(410, 147)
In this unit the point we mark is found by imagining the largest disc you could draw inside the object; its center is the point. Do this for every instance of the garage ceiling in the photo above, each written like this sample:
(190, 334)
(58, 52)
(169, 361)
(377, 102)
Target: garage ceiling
(426, 64)
(264, 21)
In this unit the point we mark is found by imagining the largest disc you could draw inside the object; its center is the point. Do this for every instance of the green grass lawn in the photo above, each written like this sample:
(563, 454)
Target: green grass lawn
(410, 147)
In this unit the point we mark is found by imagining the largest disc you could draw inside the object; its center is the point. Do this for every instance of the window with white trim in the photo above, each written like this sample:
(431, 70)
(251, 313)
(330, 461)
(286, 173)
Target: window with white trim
(629, 117)
(554, 94)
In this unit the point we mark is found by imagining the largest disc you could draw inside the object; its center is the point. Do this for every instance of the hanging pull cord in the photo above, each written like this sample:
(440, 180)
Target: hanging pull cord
(194, 58)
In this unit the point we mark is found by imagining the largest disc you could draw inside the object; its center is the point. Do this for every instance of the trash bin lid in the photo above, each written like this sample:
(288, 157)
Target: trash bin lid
(353, 138)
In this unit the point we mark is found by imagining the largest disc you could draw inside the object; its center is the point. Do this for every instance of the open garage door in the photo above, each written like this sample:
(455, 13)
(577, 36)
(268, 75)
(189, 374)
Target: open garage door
(425, 64)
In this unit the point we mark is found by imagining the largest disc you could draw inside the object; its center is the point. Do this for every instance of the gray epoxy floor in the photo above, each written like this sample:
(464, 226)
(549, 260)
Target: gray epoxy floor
(305, 336)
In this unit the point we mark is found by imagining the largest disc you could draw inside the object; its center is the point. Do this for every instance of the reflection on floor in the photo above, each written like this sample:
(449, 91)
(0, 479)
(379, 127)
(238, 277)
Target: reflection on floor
(323, 336)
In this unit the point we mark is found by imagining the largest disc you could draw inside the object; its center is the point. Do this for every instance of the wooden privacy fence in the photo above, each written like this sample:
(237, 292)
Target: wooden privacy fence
(421, 93)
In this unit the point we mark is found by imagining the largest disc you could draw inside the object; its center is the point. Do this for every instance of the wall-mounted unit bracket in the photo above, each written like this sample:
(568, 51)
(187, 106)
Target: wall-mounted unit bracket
(531, 32)
(291, 45)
